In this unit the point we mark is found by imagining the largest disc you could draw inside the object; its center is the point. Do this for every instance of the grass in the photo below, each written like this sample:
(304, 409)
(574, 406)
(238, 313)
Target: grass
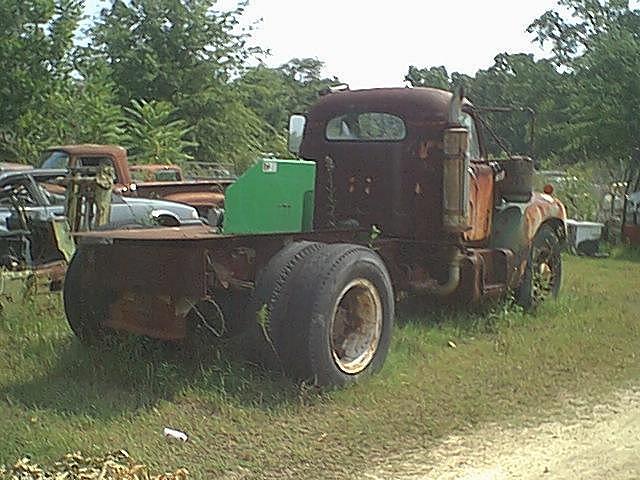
(57, 397)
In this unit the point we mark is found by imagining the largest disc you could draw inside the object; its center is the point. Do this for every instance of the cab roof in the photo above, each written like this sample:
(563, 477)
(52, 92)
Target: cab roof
(90, 149)
(412, 104)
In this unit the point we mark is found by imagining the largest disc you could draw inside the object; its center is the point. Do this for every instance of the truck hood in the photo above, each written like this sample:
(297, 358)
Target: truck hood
(199, 199)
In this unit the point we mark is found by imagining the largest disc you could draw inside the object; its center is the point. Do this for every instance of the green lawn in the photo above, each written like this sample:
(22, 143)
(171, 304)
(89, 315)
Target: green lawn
(57, 397)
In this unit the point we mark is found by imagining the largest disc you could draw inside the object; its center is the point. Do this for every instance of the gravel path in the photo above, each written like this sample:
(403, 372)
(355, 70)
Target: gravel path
(594, 442)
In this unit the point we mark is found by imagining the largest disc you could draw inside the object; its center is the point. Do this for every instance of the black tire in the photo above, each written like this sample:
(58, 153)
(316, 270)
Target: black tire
(265, 316)
(82, 304)
(167, 221)
(345, 284)
(543, 273)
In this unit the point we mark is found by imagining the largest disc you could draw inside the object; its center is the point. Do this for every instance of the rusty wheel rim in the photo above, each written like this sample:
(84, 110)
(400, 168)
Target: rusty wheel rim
(356, 326)
(545, 275)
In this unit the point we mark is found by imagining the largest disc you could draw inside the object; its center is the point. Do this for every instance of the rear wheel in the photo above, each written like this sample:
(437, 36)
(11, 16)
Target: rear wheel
(84, 306)
(336, 323)
(543, 274)
(266, 321)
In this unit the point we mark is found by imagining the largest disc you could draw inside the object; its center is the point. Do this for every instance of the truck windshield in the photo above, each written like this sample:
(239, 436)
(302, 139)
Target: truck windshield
(55, 159)
(149, 175)
(367, 127)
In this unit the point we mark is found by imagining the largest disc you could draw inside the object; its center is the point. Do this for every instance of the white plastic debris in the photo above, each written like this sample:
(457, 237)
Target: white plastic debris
(177, 434)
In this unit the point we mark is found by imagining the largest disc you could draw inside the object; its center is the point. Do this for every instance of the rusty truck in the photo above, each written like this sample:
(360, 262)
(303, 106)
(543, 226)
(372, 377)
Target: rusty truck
(207, 196)
(393, 194)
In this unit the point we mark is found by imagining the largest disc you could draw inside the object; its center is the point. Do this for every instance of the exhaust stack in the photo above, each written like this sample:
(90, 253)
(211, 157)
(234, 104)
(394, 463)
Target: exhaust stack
(455, 202)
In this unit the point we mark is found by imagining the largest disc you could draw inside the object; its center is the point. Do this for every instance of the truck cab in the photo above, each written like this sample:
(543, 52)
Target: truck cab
(412, 164)
(382, 152)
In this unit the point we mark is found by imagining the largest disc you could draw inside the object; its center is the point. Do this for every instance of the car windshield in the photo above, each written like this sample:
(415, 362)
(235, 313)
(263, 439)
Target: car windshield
(168, 175)
(55, 159)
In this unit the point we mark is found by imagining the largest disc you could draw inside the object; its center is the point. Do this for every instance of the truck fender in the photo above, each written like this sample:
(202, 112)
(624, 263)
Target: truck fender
(516, 223)
(166, 218)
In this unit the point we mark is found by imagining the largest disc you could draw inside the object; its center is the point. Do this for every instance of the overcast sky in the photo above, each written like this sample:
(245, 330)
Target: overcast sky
(369, 43)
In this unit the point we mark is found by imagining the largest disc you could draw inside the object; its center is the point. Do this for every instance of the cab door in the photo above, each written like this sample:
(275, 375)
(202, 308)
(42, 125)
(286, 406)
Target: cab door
(481, 186)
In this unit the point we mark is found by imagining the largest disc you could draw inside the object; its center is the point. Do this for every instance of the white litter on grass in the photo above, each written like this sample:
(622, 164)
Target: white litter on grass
(177, 434)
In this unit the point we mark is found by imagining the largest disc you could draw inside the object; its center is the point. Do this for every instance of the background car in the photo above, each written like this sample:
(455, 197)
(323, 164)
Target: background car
(39, 194)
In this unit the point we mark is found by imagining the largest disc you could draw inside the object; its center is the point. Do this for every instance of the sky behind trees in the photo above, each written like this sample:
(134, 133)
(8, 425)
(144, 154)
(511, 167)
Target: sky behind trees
(370, 43)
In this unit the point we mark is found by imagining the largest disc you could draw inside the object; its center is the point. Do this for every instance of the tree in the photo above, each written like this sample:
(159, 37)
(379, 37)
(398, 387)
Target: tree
(521, 82)
(75, 112)
(570, 36)
(436, 77)
(600, 46)
(269, 93)
(160, 48)
(186, 53)
(154, 135)
(305, 79)
(36, 54)
(275, 93)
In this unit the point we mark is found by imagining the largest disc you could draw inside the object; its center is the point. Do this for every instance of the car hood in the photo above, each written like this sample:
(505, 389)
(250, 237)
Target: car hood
(155, 204)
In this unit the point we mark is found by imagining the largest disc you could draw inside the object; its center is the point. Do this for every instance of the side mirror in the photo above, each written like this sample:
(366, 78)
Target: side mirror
(296, 131)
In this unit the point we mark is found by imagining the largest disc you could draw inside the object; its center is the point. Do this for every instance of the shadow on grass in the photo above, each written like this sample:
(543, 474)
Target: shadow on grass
(138, 373)
(627, 254)
(486, 317)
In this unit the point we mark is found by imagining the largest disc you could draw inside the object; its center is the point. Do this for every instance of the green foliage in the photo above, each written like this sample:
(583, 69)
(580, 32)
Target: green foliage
(158, 49)
(586, 97)
(580, 192)
(155, 135)
(275, 93)
(436, 77)
(599, 45)
(606, 102)
(185, 53)
(36, 52)
(36, 55)
(186, 61)
(571, 35)
(79, 112)
(226, 130)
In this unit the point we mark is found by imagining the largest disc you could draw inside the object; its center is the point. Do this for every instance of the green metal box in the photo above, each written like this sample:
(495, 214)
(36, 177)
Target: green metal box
(273, 196)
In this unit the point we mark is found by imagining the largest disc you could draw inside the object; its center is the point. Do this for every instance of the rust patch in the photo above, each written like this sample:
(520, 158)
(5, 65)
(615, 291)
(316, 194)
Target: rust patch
(631, 234)
(198, 199)
(155, 316)
(481, 201)
(541, 208)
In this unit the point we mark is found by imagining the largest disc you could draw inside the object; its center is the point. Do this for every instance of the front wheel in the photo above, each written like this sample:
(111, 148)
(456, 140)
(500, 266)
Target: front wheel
(543, 273)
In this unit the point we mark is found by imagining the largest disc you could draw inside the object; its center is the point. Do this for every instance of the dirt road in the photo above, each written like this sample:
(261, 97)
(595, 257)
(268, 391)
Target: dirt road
(591, 442)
